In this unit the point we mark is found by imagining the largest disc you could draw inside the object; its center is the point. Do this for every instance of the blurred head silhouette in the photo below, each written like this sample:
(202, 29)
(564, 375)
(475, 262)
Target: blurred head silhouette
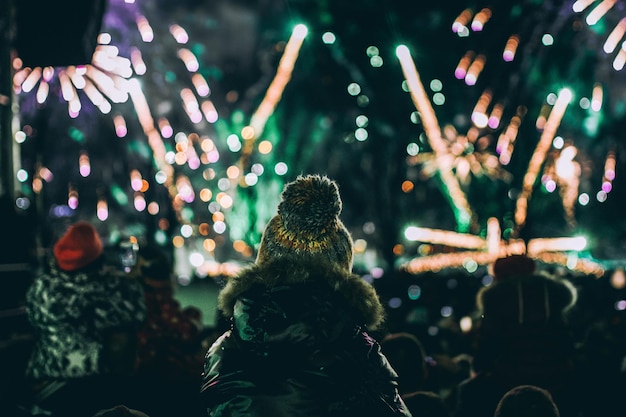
(527, 401)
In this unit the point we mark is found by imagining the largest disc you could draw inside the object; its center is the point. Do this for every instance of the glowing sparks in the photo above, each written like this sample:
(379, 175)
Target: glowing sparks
(572, 262)
(102, 209)
(135, 180)
(145, 30)
(283, 75)
(493, 236)
(479, 114)
(67, 90)
(27, 79)
(580, 5)
(42, 92)
(460, 23)
(496, 116)
(120, 126)
(189, 59)
(469, 67)
(154, 139)
(165, 128)
(620, 60)
(446, 260)
(179, 33)
(475, 69)
(455, 157)
(72, 198)
(564, 244)
(568, 174)
(191, 105)
(184, 189)
(539, 155)
(463, 65)
(506, 140)
(615, 36)
(209, 111)
(597, 97)
(104, 78)
(84, 165)
(561, 251)
(599, 11)
(608, 175)
(443, 237)
(272, 96)
(433, 133)
(201, 85)
(137, 61)
(478, 23)
(466, 154)
(510, 49)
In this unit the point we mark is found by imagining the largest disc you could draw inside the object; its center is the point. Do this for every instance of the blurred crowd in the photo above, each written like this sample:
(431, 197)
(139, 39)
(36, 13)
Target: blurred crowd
(101, 327)
(300, 334)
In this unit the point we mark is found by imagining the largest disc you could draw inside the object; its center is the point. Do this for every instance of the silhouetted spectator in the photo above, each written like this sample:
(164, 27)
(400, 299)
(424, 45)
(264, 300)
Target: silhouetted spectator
(426, 404)
(524, 339)
(86, 317)
(603, 365)
(299, 344)
(170, 353)
(408, 358)
(169, 346)
(527, 401)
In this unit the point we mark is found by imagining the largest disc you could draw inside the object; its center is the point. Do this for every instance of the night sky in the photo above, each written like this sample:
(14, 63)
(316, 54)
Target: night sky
(346, 112)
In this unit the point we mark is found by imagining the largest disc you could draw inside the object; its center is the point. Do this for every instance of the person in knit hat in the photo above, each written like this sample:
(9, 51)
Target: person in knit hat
(307, 225)
(524, 338)
(78, 307)
(299, 343)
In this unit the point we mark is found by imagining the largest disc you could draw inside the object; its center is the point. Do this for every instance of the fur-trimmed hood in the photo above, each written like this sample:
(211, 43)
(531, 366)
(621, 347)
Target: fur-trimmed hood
(359, 295)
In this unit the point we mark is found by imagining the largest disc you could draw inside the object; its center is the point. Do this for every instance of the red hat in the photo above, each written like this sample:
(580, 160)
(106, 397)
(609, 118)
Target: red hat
(78, 247)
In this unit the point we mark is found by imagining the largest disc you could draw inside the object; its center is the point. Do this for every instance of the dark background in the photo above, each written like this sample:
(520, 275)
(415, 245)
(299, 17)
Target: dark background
(238, 45)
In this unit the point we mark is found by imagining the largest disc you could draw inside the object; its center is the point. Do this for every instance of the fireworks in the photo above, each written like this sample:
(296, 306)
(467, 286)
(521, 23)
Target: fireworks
(433, 132)
(217, 125)
(485, 251)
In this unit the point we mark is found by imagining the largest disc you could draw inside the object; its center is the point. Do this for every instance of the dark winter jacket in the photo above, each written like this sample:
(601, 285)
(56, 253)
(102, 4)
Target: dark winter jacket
(298, 346)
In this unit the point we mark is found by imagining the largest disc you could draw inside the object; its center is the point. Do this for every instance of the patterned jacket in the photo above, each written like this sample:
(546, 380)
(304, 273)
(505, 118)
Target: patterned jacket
(299, 346)
(73, 312)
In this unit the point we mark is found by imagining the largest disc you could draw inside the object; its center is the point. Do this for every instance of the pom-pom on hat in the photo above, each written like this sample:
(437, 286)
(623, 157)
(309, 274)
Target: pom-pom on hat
(78, 247)
(307, 224)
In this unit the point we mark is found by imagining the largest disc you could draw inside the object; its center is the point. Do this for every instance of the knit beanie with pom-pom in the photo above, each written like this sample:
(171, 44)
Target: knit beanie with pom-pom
(307, 224)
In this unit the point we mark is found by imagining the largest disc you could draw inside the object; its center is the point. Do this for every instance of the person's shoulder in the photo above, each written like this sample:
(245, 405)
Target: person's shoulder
(51, 275)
